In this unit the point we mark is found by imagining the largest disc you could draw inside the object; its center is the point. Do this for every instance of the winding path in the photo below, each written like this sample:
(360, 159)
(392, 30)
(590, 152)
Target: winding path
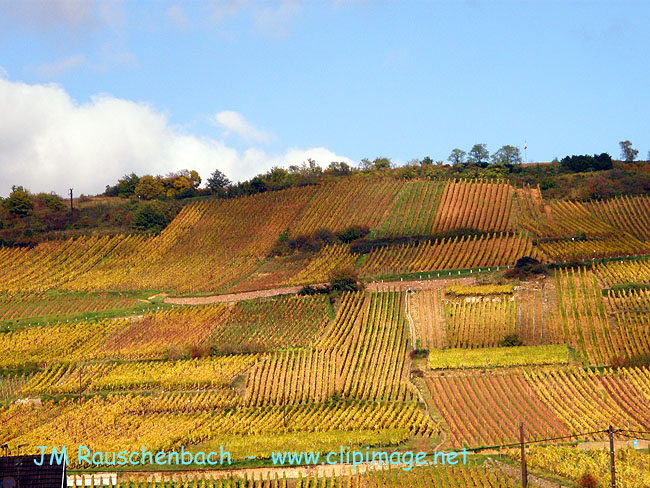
(290, 290)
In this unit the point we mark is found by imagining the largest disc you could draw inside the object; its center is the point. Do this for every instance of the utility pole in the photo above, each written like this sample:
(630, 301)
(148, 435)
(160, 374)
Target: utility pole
(611, 456)
(524, 471)
(71, 209)
(79, 383)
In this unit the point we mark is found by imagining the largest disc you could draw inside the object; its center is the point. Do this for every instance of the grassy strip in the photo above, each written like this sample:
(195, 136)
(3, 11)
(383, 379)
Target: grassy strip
(435, 275)
(141, 307)
(481, 290)
(498, 356)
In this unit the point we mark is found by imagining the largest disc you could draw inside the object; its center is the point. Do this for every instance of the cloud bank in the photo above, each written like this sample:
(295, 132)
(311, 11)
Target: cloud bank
(235, 123)
(49, 142)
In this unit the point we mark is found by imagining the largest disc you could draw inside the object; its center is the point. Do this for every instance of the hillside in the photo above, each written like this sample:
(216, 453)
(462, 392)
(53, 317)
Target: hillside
(413, 226)
(454, 342)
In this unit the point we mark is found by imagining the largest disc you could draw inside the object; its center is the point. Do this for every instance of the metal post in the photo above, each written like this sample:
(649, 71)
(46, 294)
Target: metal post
(524, 473)
(612, 464)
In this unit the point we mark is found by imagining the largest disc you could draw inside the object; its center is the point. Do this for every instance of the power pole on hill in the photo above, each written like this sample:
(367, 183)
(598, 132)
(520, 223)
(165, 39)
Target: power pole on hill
(612, 465)
(71, 209)
(524, 471)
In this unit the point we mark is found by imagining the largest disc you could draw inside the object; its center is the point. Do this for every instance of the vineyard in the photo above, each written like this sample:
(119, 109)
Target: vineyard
(485, 408)
(172, 420)
(362, 356)
(56, 304)
(483, 316)
(573, 464)
(485, 251)
(214, 245)
(453, 342)
(472, 475)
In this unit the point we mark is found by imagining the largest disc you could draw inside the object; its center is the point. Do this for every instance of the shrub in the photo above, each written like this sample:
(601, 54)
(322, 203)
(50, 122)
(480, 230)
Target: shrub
(511, 340)
(345, 279)
(353, 233)
(325, 236)
(579, 164)
(526, 267)
(309, 290)
(587, 481)
(19, 202)
(51, 201)
(199, 351)
(419, 353)
(150, 218)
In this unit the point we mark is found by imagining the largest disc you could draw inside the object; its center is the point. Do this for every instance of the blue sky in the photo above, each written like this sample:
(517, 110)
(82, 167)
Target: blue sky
(91, 90)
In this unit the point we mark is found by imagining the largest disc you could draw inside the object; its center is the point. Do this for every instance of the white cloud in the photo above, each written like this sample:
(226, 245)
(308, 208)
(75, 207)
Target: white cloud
(57, 68)
(62, 15)
(235, 123)
(49, 142)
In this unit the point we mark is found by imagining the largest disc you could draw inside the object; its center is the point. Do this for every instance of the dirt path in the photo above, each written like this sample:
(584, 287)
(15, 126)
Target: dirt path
(289, 290)
(235, 297)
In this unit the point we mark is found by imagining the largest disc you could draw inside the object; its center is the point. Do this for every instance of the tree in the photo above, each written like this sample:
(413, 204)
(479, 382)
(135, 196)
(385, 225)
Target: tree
(345, 278)
(478, 154)
(19, 202)
(218, 181)
(338, 168)
(149, 188)
(628, 153)
(507, 155)
(126, 185)
(365, 164)
(426, 161)
(382, 163)
(307, 169)
(457, 156)
(150, 217)
(378, 163)
(584, 162)
(51, 201)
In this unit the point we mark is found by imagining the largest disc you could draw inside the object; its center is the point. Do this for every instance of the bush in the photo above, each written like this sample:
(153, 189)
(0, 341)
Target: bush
(511, 340)
(419, 353)
(588, 481)
(582, 163)
(309, 290)
(353, 233)
(199, 351)
(51, 201)
(345, 279)
(150, 218)
(19, 203)
(526, 267)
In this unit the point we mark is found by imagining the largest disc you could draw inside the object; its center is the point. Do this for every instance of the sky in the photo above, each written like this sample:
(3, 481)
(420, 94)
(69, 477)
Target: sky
(91, 90)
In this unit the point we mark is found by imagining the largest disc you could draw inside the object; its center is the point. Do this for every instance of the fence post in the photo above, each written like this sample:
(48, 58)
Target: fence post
(524, 473)
(611, 456)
